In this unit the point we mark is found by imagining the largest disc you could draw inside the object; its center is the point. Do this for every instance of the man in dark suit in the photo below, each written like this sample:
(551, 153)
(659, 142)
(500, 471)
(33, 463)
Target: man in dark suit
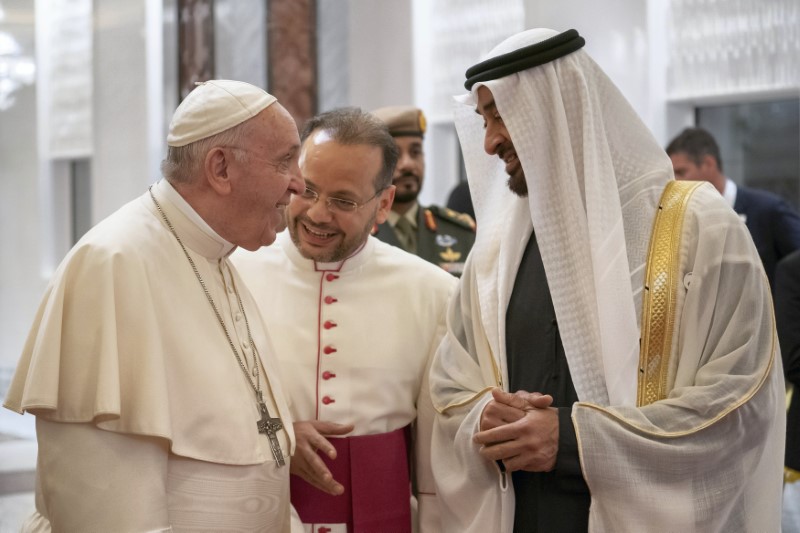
(773, 223)
(460, 199)
(437, 234)
(787, 315)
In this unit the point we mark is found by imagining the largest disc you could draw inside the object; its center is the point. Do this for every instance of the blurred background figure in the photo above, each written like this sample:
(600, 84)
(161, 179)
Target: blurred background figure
(773, 223)
(437, 234)
(460, 199)
(787, 315)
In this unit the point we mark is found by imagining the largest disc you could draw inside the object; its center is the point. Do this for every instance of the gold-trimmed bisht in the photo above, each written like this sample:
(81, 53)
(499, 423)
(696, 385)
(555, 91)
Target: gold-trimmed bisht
(661, 285)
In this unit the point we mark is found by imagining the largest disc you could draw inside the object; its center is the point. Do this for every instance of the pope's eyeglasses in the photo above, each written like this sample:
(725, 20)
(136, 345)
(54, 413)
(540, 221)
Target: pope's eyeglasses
(337, 204)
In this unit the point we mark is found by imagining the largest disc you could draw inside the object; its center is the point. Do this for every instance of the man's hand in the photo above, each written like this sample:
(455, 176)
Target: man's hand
(507, 407)
(306, 463)
(529, 442)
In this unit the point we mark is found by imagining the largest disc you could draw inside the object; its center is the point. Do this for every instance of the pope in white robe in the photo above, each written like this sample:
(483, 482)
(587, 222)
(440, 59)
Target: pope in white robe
(702, 454)
(148, 357)
(355, 323)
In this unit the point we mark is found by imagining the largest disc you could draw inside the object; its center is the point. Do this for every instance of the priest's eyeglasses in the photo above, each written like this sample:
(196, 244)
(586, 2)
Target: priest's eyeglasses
(334, 204)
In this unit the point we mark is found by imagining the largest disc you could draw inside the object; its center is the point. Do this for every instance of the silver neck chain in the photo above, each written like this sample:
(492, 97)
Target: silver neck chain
(257, 385)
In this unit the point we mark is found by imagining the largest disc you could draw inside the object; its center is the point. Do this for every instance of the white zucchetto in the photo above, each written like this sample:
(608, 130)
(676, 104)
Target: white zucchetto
(213, 107)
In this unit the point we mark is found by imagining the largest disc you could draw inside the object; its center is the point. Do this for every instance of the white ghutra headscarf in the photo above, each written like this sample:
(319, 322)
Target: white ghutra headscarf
(594, 174)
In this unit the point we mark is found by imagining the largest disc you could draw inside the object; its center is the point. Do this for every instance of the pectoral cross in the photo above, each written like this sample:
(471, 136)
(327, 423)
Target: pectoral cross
(270, 427)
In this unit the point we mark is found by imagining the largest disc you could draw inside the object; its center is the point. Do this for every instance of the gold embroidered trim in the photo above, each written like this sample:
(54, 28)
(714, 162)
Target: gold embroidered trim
(465, 402)
(661, 286)
(498, 384)
(498, 378)
(722, 414)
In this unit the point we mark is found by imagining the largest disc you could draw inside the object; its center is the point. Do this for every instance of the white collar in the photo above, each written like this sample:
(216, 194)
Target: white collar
(730, 191)
(190, 226)
(355, 261)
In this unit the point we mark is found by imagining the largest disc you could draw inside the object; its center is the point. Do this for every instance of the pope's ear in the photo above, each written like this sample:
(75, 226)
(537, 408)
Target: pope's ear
(385, 202)
(215, 170)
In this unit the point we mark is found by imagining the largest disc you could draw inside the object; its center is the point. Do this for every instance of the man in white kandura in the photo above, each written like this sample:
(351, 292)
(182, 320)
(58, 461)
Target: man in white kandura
(148, 366)
(355, 323)
(551, 417)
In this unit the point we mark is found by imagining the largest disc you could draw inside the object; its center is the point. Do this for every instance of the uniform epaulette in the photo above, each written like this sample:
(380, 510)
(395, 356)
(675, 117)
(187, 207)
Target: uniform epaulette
(430, 221)
(462, 219)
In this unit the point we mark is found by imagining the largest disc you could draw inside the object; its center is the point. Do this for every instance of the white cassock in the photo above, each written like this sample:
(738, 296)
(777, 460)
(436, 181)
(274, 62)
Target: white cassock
(706, 457)
(355, 339)
(145, 419)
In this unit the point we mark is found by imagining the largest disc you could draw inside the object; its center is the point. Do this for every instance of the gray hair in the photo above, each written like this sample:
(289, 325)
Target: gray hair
(183, 163)
(351, 125)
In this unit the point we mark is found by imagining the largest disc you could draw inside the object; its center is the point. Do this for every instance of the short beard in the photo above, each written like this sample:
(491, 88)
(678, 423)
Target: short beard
(518, 185)
(401, 197)
(405, 198)
(343, 250)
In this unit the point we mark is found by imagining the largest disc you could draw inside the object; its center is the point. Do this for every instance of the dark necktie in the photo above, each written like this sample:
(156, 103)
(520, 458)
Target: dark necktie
(407, 235)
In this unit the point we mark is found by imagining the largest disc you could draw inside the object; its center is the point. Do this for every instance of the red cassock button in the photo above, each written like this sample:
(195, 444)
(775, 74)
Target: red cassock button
(327, 399)
(328, 350)
(330, 299)
(328, 375)
(331, 277)
(329, 324)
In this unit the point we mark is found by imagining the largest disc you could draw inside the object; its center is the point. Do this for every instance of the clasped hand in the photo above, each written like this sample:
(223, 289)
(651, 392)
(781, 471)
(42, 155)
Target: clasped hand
(306, 463)
(521, 430)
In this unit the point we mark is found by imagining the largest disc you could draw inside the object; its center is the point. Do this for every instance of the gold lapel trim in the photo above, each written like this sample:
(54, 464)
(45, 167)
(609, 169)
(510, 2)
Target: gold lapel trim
(661, 285)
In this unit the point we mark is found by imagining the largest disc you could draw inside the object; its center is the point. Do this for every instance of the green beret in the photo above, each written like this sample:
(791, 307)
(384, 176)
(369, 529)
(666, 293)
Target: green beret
(402, 120)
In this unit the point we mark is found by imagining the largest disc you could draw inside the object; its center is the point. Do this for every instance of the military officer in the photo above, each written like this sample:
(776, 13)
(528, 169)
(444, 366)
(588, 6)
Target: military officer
(436, 234)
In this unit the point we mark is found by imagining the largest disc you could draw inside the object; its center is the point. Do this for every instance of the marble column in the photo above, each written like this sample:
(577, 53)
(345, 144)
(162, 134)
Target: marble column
(292, 56)
(196, 43)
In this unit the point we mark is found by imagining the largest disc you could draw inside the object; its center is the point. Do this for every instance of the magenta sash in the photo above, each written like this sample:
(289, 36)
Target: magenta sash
(374, 472)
